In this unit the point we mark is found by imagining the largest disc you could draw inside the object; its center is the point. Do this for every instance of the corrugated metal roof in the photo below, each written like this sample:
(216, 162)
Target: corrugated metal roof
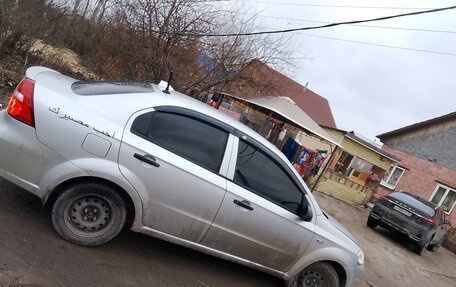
(272, 83)
(293, 113)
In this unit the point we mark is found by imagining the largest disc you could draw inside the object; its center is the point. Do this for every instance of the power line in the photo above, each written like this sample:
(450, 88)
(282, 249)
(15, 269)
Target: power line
(317, 27)
(382, 45)
(338, 6)
(358, 25)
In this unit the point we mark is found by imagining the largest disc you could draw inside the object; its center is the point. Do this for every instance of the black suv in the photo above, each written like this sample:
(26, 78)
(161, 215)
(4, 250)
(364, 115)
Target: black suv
(420, 220)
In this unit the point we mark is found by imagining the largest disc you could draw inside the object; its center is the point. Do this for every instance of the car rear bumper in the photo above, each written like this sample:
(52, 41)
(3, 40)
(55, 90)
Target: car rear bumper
(391, 225)
(23, 159)
(393, 220)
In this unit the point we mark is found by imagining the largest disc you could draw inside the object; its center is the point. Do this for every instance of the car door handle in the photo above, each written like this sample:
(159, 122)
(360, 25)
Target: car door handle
(245, 204)
(147, 159)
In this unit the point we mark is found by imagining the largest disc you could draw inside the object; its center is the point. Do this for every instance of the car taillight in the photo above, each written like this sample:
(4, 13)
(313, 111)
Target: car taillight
(20, 106)
(429, 220)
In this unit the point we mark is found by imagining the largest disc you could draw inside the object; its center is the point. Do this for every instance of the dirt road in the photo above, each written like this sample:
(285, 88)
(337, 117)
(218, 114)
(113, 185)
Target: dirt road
(32, 254)
(389, 259)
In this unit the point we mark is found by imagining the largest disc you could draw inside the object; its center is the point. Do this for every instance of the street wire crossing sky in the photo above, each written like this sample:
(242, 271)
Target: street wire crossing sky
(372, 88)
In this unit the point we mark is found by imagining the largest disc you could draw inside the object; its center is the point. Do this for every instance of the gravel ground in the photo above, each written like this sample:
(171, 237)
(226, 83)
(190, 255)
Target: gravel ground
(32, 254)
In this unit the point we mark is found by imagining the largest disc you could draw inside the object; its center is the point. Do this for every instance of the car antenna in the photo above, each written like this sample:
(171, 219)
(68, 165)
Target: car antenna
(166, 91)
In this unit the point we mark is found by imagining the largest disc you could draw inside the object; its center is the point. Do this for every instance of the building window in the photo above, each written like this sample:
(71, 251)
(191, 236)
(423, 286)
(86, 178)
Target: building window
(444, 196)
(392, 177)
(343, 164)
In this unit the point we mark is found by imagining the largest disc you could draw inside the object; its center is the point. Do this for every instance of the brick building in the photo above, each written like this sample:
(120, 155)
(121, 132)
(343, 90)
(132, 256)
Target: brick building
(427, 162)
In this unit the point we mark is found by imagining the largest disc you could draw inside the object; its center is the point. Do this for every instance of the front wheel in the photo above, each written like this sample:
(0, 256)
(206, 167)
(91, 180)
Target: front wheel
(317, 275)
(89, 214)
(372, 223)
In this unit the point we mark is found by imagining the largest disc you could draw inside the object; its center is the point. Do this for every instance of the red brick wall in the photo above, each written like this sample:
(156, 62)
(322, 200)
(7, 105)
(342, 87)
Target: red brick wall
(420, 177)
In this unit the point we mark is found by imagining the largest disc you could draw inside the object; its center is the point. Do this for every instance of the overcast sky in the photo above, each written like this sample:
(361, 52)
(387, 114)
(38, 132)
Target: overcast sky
(372, 89)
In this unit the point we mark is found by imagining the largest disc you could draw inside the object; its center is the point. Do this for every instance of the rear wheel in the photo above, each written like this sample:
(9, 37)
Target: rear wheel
(317, 275)
(435, 247)
(89, 214)
(419, 248)
(372, 223)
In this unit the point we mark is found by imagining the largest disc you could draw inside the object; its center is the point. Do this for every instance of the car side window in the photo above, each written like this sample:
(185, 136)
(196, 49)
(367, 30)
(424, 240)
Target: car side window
(191, 138)
(261, 174)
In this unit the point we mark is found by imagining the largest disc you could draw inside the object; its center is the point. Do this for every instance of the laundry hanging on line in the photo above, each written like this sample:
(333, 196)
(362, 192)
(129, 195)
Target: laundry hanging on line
(304, 160)
(289, 149)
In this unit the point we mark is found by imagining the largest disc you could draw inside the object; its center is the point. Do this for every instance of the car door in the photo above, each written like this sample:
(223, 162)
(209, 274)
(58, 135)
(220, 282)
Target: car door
(174, 159)
(258, 219)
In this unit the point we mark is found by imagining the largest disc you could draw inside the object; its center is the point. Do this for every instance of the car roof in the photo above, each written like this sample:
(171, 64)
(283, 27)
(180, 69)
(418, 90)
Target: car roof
(415, 201)
(126, 99)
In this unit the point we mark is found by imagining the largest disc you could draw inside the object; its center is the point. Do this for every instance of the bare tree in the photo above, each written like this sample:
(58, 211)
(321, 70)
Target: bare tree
(25, 23)
(142, 40)
(77, 3)
(170, 38)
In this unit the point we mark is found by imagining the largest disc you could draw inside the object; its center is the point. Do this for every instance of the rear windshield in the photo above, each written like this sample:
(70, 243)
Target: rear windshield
(108, 88)
(415, 202)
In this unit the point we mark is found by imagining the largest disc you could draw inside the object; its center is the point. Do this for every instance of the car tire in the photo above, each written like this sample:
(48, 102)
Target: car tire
(372, 223)
(419, 248)
(89, 214)
(318, 274)
(435, 247)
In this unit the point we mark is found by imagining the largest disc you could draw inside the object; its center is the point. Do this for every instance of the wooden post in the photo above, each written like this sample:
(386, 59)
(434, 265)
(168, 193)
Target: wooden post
(265, 122)
(324, 169)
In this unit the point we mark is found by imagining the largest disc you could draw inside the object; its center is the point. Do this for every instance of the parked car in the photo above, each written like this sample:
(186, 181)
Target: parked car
(104, 153)
(420, 220)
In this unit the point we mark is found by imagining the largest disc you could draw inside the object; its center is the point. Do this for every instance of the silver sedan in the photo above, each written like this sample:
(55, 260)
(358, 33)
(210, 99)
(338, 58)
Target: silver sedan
(102, 154)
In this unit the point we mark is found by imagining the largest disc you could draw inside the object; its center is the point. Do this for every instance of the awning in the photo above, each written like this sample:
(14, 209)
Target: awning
(289, 110)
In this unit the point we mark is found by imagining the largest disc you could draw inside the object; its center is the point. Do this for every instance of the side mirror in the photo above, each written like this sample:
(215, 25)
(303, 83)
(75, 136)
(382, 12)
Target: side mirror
(305, 212)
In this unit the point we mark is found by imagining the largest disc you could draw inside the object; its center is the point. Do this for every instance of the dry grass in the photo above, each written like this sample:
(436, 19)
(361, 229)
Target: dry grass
(60, 57)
